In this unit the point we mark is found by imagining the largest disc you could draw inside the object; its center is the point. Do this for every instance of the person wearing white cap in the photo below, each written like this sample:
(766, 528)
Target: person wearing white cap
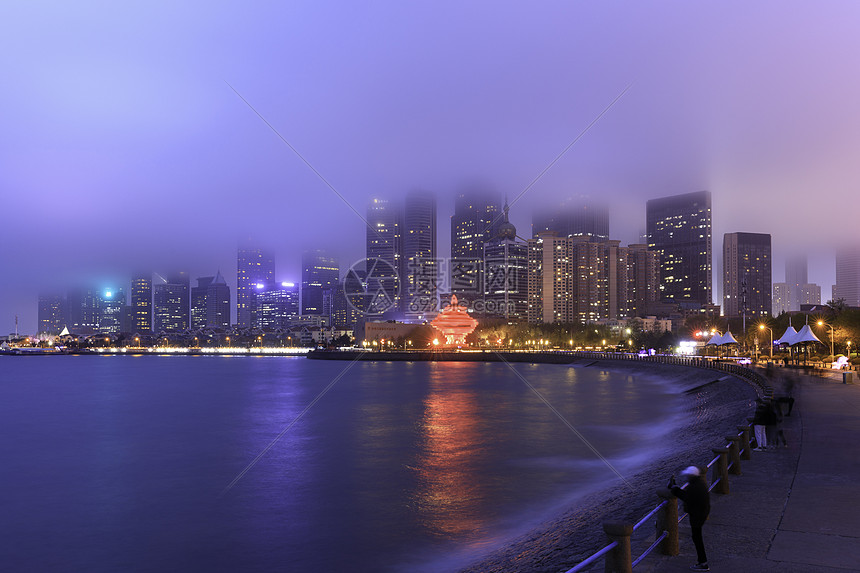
(697, 504)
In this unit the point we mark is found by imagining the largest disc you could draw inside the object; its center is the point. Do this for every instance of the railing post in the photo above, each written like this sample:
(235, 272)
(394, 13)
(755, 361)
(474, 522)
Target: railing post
(667, 520)
(734, 455)
(745, 442)
(721, 470)
(620, 559)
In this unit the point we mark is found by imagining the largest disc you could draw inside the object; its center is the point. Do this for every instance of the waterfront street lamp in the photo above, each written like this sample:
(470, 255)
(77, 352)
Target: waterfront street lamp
(763, 327)
(822, 323)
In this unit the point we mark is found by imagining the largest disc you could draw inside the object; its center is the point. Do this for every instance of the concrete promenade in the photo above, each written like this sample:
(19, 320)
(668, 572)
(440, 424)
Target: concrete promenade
(795, 509)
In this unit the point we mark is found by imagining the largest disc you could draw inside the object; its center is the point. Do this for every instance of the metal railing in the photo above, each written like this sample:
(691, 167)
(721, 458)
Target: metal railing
(737, 447)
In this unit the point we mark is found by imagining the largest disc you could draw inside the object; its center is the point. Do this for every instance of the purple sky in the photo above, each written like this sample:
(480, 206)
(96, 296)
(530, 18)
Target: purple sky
(122, 146)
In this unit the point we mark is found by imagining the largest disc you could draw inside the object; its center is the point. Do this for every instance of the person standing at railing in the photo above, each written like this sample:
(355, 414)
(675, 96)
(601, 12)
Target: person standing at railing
(759, 425)
(697, 504)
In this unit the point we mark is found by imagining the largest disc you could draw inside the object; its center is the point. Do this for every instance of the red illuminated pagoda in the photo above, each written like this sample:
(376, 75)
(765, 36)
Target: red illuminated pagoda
(454, 323)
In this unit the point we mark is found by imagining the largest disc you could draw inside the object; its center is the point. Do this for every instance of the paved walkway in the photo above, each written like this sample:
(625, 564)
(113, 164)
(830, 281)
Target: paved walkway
(795, 509)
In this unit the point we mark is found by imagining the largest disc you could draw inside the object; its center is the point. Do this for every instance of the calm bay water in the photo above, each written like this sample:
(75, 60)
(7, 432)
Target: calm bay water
(119, 463)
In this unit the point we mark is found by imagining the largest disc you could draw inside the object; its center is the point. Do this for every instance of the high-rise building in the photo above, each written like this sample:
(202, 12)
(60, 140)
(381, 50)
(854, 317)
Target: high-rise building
(254, 266)
(319, 272)
(796, 275)
(747, 287)
(111, 307)
(420, 268)
(277, 305)
(847, 285)
(83, 309)
(384, 256)
(810, 294)
(141, 302)
(643, 278)
(210, 303)
(679, 230)
(506, 273)
(781, 298)
(579, 217)
(171, 303)
(52, 313)
(476, 216)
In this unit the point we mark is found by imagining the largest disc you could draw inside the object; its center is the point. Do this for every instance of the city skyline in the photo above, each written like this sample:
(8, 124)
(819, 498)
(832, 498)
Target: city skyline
(125, 149)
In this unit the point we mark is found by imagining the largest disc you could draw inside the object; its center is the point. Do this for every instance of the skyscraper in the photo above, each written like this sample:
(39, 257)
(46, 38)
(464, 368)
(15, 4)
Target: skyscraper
(476, 215)
(171, 303)
(419, 264)
(83, 308)
(384, 255)
(254, 266)
(796, 276)
(747, 275)
(644, 278)
(278, 305)
(579, 217)
(141, 302)
(210, 303)
(780, 298)
(679, 230)
(506, 273)
(111, 306)
(847, 285)
(319, 273)
(52, 313)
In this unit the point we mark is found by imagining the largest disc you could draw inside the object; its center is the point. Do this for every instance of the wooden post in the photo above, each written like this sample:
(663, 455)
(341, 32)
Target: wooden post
(734, 455)
(667, 520)
(745, 442)
(620, 559)
(721, 470)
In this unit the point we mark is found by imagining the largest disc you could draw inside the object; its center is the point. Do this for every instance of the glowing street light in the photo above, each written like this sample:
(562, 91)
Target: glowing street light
(762, 327)
(822, 323)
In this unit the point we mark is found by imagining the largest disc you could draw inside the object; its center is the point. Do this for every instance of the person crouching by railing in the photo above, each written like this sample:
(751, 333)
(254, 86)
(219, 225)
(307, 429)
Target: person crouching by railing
(697, 504)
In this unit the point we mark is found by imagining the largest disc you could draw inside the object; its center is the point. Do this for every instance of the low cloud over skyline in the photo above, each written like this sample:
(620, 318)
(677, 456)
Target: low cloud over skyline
(124, 147)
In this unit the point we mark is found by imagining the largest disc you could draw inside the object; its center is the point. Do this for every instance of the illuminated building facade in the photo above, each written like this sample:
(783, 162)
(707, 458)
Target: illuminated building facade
(384, 254)
(319, 273)
(476, 216)
(747, 287)
(780, 300)
(52, 313)
(679, 230)
(253, 266)
(83, 309)
(505, 268)
(171, 304)
(420, 268)
(574, 218)
(141, 303)
(277, 305)
(210, 303)
(111, 306)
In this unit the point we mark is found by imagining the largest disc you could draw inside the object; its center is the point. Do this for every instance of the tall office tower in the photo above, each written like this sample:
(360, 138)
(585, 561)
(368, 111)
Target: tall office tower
(111, 305)
(476, 216)
(747, 275)
(506, 273)
(384, 256)
(580, 217)
(847, 285)
(171, 303)
(141, 302)
(254, 266)
(319, 272)
(344, 313)
(277, 305)
(643, 278)
(780, 298)
(810, 294)
(679, 230)
(420, 268)
(83, 309)
(210, 303)
(52, 313)
(796, 275)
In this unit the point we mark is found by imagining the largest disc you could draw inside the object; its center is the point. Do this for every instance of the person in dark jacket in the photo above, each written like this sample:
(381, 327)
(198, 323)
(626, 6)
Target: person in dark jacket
(697, 504)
